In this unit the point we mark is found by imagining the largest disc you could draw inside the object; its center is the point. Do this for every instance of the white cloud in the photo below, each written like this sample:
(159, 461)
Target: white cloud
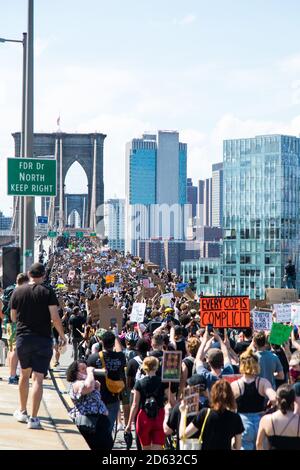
(187, 19)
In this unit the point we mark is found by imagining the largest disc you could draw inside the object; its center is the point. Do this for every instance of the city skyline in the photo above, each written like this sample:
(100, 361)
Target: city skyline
(203, 82)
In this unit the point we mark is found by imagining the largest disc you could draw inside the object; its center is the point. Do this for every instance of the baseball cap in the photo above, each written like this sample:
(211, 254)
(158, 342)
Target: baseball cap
(169, 310)
(197, 379)
(100, 332)
(37, 270)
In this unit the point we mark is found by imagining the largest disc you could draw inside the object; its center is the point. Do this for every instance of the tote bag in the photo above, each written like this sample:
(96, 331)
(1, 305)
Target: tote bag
(194, 444)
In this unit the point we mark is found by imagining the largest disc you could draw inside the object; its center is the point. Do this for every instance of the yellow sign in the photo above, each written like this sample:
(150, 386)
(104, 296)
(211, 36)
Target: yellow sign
(110, 279)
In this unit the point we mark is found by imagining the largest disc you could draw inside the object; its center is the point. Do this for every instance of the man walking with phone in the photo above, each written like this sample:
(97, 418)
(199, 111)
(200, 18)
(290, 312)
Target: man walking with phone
(33, 307)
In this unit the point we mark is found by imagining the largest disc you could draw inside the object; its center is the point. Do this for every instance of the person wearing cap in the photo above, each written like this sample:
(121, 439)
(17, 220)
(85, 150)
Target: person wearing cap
(173, 414)
(218, 360)
(33, 307)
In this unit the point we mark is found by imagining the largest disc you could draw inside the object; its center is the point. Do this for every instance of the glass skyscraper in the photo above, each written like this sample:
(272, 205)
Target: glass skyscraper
(156, 174)
(217, 195)
(261, 209)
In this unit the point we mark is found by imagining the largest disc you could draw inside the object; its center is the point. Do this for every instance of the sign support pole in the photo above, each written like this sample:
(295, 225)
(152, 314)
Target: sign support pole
(28, 251)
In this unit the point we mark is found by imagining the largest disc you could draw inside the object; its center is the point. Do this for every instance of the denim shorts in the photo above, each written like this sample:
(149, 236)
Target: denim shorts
(251, 425)
(34, 352)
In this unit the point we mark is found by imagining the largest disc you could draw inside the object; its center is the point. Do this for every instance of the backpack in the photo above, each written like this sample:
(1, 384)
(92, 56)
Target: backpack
(140, 374)
(6, 300)
(150, 407)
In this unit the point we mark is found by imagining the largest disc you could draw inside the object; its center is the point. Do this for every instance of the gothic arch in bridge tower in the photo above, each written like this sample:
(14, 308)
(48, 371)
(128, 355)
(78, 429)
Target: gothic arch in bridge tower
(87, 150)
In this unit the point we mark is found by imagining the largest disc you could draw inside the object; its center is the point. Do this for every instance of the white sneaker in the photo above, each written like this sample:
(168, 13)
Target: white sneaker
(21, 416)
(34, 423)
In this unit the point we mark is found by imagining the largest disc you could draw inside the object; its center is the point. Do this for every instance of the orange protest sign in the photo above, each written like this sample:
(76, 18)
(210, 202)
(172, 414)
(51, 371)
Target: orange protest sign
(110, 279)
(225, 312)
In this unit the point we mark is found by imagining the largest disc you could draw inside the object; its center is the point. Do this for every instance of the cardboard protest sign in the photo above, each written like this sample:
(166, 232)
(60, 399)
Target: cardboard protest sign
(189, 294)
(93, 307)
(138, 312)
(178, 294)
(280, 333)
(191, 399)
(295, 314)
(166, 299)
(283, 312)
(258, 304)
(225, 312)
(281, 296)
(149, 292)
(262, 320)
(171, 366)
(110, 279)
(110, 316)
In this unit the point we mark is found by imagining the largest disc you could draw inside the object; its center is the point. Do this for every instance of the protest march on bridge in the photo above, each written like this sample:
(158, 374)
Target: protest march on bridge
(152, 361)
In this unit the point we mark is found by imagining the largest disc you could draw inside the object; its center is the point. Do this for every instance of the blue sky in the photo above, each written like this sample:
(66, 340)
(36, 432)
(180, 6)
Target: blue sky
(211, 70)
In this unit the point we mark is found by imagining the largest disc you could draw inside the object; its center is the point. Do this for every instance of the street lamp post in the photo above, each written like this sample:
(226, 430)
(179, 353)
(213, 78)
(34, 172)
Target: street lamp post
(20, 204)
(28, 252)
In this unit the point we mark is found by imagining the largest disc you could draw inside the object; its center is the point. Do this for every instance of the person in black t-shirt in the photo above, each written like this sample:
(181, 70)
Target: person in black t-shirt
(33, 306)
(115, 363)
(173, 415)
(148, 405)
(76, 322)
(222, 423)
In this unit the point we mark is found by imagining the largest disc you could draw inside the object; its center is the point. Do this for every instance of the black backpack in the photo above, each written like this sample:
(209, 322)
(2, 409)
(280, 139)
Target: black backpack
(6, 300)
(151, 407)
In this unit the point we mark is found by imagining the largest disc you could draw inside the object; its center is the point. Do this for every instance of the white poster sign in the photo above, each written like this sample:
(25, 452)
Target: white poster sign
(283, 312)
(295, 314)
(262, 321)
(138, 312)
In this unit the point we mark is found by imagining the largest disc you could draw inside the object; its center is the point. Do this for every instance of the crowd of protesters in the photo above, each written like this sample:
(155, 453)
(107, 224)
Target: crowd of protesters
(249, 390)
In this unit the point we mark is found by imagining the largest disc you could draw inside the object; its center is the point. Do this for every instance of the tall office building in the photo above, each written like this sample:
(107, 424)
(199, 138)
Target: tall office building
(114, 220)
(5, 222)
(217, 195)
(156, 172)
(261, 212)
(192, 194)
(205, 203)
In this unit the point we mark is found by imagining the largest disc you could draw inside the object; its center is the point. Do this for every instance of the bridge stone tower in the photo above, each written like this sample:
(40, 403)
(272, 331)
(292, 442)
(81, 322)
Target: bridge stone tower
(87, 150)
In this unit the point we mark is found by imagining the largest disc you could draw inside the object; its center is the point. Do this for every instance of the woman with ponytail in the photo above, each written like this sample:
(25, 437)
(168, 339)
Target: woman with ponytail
(251, 393)
(282, 428)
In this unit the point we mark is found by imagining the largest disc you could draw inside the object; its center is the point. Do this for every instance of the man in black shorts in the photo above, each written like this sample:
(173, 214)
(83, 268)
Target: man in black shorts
(33, 306)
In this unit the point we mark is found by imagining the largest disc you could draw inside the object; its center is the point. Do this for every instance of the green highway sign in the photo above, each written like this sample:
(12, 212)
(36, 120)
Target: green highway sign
(66, 234)
(93, 234)
(79, 234)
(31, 177)
(52, 234)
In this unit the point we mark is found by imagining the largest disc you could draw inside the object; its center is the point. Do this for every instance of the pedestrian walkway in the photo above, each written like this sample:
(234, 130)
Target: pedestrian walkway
(59, 432)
